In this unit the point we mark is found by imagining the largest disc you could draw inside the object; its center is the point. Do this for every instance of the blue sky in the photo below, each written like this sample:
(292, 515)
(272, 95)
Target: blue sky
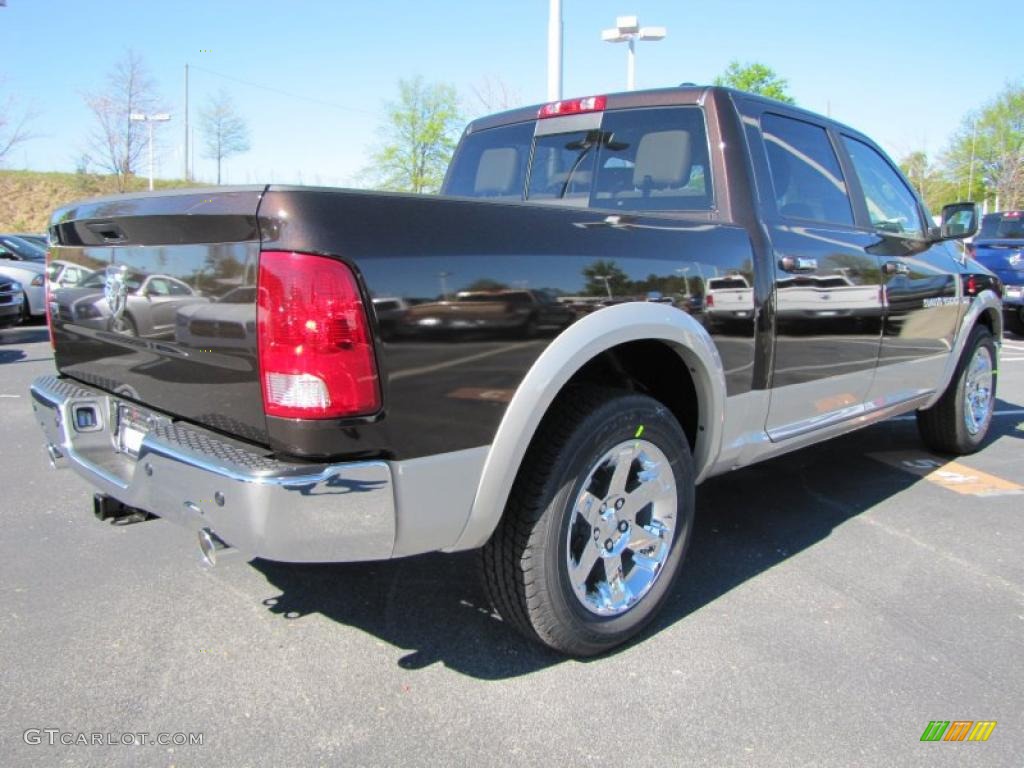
(902, 71)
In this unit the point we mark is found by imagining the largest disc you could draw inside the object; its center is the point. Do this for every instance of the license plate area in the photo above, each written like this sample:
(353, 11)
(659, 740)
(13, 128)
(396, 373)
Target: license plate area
(132, 426)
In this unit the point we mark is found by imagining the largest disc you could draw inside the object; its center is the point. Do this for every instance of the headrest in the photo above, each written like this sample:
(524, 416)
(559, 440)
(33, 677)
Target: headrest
(496, 171)
(664, 157)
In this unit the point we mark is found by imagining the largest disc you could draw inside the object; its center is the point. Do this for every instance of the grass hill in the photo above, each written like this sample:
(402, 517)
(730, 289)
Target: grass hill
(27, 198)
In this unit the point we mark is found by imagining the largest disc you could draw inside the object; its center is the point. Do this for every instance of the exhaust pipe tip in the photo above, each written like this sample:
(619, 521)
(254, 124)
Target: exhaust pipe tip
(210, 544)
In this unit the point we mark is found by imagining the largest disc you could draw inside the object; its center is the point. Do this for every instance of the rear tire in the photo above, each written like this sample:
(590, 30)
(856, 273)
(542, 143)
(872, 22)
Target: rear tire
(958, 423)
(596, 524)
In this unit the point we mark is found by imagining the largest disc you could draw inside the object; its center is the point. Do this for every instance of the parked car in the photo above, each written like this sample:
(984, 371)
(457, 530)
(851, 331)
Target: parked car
(570, 462)
(389, 311)
(11, 302)
(21, 249)
(38, 239)
(64, 274)
(32, 277)
(123, 301)
(999, 245)
(728, 299)
(520, 312)
(228, 322)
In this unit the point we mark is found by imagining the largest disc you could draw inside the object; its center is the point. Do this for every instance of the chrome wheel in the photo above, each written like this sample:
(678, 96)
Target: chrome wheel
(621, 527)
(978, 392)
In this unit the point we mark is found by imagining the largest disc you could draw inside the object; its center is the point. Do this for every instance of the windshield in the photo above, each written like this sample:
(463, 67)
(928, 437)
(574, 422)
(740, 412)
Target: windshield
(23, 249)
(1003, 226)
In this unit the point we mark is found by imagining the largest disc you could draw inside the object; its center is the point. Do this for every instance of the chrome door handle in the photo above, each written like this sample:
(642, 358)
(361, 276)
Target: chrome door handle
(797, 264)
(895, 268)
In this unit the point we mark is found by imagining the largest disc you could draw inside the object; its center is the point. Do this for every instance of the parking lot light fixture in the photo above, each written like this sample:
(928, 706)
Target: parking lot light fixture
(159, 117)
(628, 30)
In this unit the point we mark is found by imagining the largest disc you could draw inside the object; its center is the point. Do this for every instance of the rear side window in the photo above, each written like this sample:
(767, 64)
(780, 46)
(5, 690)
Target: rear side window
(492, 163)
(806, 177)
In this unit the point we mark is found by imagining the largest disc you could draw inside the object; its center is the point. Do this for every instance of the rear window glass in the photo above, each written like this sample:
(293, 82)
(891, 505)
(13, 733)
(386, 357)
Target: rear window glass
(653, 159)
(563, 166)
(492, 163)
(1003, 226)
(639, 159)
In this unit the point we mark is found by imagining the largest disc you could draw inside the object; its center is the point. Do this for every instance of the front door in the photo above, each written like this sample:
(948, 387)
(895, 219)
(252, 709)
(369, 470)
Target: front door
(921, 280)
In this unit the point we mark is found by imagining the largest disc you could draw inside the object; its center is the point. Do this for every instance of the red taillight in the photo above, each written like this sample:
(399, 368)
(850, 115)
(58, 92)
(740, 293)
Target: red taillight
(709, 300)
(315, 348)
(573, 106)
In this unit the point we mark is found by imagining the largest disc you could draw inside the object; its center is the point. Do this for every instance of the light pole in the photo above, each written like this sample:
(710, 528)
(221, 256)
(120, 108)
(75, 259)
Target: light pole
(555, 50)
(160, 117)
(628, 30)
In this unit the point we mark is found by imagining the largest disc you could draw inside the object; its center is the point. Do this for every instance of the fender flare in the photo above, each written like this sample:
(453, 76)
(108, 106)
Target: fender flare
(985, 301)
(567, 354)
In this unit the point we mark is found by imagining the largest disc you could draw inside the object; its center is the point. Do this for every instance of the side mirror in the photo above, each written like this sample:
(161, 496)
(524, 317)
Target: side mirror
(959, 220)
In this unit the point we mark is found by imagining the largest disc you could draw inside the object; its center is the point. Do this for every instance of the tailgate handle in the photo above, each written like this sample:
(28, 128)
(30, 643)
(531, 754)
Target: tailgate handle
(108, 230)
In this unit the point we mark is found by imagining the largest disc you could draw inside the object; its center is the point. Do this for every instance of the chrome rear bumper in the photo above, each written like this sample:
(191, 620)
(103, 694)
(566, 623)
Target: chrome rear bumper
(285, 511)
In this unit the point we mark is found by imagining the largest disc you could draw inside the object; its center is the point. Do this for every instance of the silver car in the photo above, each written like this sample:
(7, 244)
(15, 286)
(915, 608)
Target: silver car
(149, 307)
(16, 266)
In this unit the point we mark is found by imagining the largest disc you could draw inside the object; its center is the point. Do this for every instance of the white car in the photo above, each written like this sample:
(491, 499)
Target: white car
(64, 274)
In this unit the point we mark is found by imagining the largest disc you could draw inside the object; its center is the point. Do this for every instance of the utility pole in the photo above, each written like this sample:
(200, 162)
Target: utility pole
(627, 30)
(138, 117)
(555, 50)
(186, 124)
(970, 175)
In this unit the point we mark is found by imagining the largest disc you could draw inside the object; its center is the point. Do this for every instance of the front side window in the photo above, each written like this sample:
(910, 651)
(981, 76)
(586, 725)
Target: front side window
(892, 207)
(806, 177)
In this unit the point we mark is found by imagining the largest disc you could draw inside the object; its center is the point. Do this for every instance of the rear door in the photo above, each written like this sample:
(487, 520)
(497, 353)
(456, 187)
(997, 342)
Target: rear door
(921, 279)
(826, 347)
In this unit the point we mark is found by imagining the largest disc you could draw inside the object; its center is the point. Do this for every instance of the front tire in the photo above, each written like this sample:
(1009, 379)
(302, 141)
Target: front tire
(596, 525)
(958, 423)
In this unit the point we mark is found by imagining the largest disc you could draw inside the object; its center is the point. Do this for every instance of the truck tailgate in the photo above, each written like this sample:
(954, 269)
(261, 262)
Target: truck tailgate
(164, 310)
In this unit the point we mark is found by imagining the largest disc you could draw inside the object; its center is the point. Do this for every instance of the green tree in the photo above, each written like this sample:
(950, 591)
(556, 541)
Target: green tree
(420, 135)
(225, 132)
(755, 77)
(930, 180)
(605, 278)
(986, 157)
(486, 284)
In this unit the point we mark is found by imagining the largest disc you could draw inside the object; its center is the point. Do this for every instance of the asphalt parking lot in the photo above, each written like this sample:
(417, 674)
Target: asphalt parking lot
(834, 603)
